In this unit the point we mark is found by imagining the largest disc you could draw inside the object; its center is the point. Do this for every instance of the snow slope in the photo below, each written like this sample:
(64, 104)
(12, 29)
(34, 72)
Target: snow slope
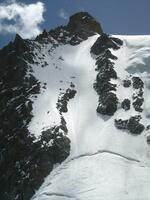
(105, 163)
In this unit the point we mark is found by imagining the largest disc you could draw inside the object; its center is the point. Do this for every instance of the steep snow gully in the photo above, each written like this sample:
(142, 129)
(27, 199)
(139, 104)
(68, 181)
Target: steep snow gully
(108, 161)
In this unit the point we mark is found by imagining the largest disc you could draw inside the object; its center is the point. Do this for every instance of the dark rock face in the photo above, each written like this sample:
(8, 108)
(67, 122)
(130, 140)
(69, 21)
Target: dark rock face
(80, 27)
(104, 42)
(121, 124)
(107, 104)
(63, 35)
(126, 104)
(108, 100)
(137, 97)
(137, 83)
(82, 21)
(137, 103)
(20, 45)
(133, 125)
(24, 163)
(64, 99)
(56, 139)
(103, 87)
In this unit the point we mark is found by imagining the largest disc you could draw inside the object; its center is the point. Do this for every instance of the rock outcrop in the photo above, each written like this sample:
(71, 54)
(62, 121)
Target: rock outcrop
(80, 26)
(24, 161)
(108, 100)
(132, 125)
(83, 21)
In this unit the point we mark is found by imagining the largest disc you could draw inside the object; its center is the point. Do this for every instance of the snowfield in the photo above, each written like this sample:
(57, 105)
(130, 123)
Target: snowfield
(105, 163)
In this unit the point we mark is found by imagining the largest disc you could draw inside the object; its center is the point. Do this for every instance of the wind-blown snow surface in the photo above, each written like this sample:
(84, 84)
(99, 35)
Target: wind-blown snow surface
(105, 163)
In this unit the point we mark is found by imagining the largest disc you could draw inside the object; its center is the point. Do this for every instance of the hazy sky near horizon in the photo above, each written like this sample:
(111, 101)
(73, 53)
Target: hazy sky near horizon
(29, 17)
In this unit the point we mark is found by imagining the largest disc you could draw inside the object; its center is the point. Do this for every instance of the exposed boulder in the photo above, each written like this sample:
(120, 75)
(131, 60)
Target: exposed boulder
(137, 83)
(121, 124)
(126, 83)
(133, 125)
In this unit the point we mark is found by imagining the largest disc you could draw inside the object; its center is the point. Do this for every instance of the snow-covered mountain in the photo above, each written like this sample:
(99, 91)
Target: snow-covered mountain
(75, 114)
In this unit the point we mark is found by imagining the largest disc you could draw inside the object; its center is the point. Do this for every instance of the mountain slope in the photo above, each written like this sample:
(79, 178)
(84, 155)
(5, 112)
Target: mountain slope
(106, 162)
(79, 97)
(30, 150)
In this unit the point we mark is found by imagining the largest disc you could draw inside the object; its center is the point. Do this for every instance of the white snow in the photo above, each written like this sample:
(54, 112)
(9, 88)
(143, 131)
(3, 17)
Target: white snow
(105, 163)
(101, 176)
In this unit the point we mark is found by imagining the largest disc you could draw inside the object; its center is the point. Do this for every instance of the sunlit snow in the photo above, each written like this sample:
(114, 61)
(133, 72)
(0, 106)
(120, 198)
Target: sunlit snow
(105, 163)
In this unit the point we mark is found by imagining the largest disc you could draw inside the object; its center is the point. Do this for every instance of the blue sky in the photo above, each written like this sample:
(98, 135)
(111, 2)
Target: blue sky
(115, 16)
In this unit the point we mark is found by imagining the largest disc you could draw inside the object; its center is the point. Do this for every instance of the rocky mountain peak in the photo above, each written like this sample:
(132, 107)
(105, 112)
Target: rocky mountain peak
(19, 44)
(84, 21)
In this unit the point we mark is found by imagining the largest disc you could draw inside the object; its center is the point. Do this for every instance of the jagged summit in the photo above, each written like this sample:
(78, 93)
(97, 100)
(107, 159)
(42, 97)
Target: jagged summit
(84, 21)
(80, 26)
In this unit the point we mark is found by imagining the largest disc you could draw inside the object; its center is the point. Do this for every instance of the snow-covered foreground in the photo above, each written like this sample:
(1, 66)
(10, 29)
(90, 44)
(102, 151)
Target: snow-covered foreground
(105, 163)
(101, 176)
